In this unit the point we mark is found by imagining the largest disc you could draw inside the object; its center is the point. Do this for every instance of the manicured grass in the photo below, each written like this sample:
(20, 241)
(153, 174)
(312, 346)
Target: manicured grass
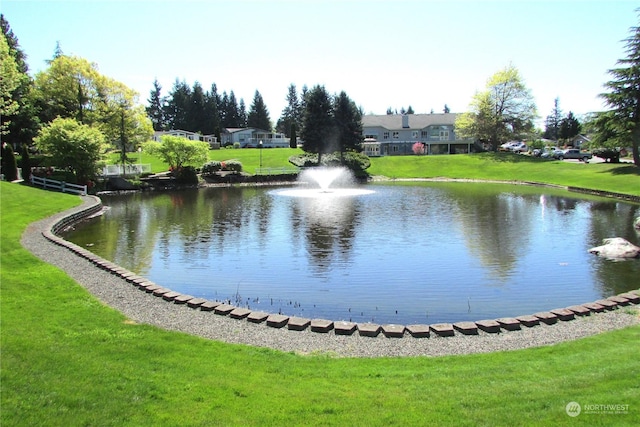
(69, 360)
(619, 178)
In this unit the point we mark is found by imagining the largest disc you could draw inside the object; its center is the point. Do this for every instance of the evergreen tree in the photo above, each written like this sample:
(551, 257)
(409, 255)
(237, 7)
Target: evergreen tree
(156, 108)
(552, 122)
(232, 114)
(9, 165)
(410, 110)
(446, 109)
(258, 116)
(197, 114)
(291, 114)
(624, 97)
(242, 114)
(318, 131)
(348, 121)
(177, 106)
(569, 127)
(26, 164)
(212, 121)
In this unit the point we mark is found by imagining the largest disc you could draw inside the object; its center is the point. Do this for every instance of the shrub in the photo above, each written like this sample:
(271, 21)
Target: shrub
(232, 165)
(357, 162)
(186, 175)
(211, 168)
(418, 148)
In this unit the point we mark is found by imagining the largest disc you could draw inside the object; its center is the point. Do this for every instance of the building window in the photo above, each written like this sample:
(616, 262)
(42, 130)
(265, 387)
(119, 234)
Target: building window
(424, 134)
(414, 134)
(396, 135)
(385, 135)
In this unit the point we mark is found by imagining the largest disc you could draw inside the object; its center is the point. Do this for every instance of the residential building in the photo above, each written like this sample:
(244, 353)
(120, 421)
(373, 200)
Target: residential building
(251, 137)
(212, 140)
(396, 134)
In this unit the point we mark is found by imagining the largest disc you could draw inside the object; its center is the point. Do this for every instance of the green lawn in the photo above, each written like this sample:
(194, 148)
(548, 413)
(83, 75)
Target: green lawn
(68, 360)
(619, 178)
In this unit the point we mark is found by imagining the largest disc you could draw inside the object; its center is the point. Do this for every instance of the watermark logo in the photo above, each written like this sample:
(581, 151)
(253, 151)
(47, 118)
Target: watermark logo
(573, 409)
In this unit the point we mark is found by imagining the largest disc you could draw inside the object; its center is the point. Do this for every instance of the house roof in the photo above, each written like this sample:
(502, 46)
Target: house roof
(416, 121)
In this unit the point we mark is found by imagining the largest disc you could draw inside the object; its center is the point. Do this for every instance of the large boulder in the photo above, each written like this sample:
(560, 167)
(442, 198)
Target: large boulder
(616, 248)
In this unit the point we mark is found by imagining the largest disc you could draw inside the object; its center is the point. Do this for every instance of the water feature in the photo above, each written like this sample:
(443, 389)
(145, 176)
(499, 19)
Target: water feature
(325, 182)
(414, 253)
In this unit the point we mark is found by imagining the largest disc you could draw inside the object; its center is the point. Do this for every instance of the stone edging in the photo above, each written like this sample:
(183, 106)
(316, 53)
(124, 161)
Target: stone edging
(321, 325)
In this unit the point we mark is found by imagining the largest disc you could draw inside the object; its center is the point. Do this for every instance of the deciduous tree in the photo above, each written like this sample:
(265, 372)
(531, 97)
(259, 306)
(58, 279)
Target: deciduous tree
(504, 111)
(73, 145)
(179, 152)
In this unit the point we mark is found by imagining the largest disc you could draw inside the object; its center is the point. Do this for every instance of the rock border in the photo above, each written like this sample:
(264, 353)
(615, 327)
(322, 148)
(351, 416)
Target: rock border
(93, 206)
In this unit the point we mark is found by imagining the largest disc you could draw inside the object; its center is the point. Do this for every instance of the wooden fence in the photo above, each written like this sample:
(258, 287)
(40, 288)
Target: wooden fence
(65, 187)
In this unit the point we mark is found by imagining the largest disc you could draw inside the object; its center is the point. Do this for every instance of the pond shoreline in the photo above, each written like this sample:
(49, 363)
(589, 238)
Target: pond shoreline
(118, 289)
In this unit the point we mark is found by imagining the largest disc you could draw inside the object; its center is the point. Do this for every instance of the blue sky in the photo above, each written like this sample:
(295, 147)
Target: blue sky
(381, 53)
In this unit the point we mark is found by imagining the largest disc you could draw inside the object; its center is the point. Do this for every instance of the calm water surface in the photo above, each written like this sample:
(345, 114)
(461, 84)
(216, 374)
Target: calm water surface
(439, 252)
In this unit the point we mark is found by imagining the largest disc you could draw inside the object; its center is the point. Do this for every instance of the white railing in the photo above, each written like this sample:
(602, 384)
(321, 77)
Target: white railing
(65, 187)
(118, 170)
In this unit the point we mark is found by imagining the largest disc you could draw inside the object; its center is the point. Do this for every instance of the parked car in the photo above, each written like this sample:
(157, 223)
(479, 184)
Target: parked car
(507, 146)
(519, 147)
(550, 152)
(573, 153)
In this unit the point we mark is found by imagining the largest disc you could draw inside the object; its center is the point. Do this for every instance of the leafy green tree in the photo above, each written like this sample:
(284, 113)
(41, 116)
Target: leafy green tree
(10, 80)
(156, 108)
(258, 116)
(74, 146)
(348, 123)
(22, 125)
(178, 152)
(318, 131)
(504, 111)
(623, 120)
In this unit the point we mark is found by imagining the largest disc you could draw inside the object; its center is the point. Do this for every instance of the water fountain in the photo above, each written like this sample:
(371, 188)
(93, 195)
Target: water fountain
(325, 182)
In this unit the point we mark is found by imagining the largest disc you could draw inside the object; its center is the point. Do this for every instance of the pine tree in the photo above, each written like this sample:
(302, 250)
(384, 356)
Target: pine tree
(624, 96)
(197, 114)
(291, 115)
(242, 114)
(212, 120)
(318, 131)
(177, 106)
(156, 108)
(348, 122)
(569, 127)
(258, 116)
(552, 122)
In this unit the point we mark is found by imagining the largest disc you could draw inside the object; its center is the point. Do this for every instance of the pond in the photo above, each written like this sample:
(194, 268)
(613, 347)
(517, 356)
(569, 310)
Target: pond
(404, 254)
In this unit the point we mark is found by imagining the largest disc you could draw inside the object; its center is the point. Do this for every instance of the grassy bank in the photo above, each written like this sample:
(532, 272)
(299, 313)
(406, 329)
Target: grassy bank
(68, 360)
(618, 178)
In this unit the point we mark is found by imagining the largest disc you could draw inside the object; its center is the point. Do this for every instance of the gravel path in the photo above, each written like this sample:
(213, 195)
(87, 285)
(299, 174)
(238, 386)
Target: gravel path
(141, 307)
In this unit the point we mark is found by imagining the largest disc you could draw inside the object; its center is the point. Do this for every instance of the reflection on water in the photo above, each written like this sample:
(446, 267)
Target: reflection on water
(431, 253)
